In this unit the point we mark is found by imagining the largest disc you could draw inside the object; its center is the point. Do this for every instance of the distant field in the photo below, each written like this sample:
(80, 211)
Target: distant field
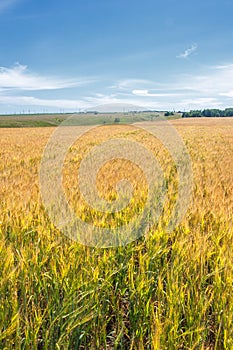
(41, 120)
(166, 291)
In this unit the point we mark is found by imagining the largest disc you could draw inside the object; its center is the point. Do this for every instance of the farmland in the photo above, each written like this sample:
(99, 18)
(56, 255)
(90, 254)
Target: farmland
(166, 290)
(89, 118)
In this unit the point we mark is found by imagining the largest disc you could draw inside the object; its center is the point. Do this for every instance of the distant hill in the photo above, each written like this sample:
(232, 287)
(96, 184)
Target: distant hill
(84, 118)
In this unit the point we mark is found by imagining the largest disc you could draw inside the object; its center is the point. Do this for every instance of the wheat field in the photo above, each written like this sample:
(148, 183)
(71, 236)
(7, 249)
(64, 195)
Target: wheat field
(166, 290)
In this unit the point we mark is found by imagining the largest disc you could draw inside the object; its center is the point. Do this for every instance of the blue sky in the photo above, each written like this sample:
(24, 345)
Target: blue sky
(78, 54)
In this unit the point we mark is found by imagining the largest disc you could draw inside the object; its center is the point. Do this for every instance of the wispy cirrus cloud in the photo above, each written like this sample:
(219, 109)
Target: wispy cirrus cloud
(126, 84)
(100, 103)
(29, 101)
(107, 103)
(217, 80)
(19, 77)
(214, 81)
(188, 52)
(211, 87)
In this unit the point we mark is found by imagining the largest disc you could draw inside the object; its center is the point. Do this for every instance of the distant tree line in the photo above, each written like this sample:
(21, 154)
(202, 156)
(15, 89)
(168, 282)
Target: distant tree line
(167, 114)
(228, 112)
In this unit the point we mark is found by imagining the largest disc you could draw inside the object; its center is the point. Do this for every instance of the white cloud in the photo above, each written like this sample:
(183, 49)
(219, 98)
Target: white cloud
(130, 83)
(227, 94)
(108, 103)
(188, 52)
(146, 93)
(75, 105)
(223, 66)
(19, 77)
(215, 81)
(213, 88)
(33, 101)
(140, 92)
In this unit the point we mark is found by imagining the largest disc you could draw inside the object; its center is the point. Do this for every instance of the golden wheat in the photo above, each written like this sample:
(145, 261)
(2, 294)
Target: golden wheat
(164, 291)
